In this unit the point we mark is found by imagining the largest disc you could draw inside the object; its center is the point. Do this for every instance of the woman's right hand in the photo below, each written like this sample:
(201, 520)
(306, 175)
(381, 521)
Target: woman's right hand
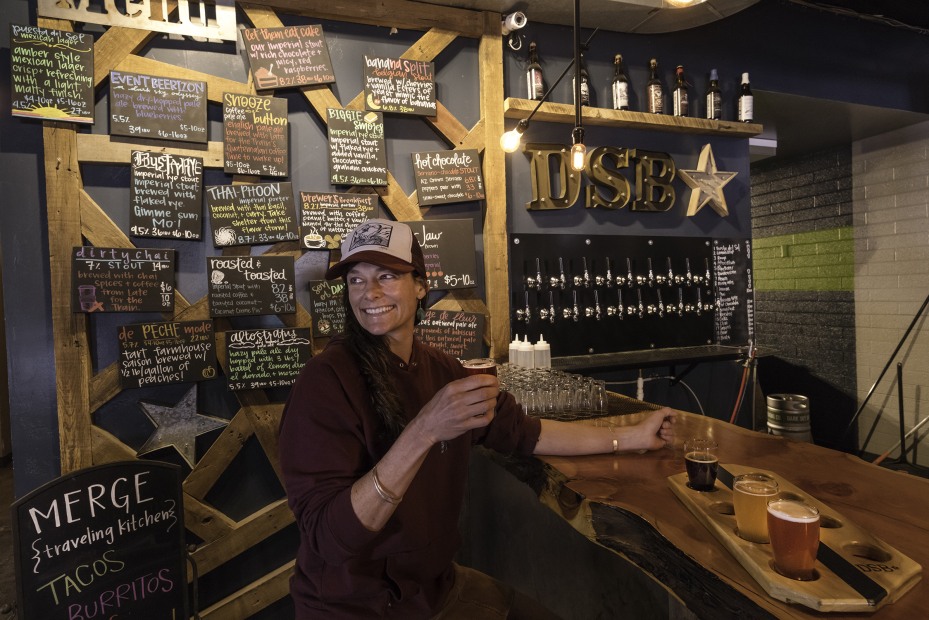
(461, 405)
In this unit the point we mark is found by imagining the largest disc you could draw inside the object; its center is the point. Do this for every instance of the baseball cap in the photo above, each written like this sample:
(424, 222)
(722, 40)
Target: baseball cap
(388, 244)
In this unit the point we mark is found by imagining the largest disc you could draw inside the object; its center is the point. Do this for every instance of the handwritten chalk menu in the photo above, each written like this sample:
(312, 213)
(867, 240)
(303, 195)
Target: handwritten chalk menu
(356, 147)
(399, 85)
(265, 358)
(149, 106)
(122, 279)
(326, 218)
(106, 541)
(165, 195)
(51, 74)
(251, 285)
(252, 213)
(734, 290)
(255, 135)
(448, 176)
(459, 334)
(327, 309)
(448, 247)
(166, 352)
(288, 56)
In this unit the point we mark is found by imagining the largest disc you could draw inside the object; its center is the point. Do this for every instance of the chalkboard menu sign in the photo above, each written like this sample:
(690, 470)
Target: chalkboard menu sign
(248, 214)
(399, 85)
(459, 334)
(255, 135)
(251, 285)
(149, 106)
(326, 218)
(327, 309)
(288, 56)
(265, 358)
(448, 176)
(103, 542)
(122, 279)
(165, 195)
(166, 352)
(356, 147)
(734, 289)
(52, 74)
(448, 247)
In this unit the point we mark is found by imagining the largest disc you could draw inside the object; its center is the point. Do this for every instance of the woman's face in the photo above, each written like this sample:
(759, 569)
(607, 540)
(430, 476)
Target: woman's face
(383, 301)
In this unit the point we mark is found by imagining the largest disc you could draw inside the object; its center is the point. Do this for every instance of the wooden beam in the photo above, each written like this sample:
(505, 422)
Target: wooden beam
(116, 43)
(102, 149)
(204, 520)
(226, 447)
(107, 448)
(252, 598)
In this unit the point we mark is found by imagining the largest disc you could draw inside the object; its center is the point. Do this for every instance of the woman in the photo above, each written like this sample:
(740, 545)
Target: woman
(374, 447)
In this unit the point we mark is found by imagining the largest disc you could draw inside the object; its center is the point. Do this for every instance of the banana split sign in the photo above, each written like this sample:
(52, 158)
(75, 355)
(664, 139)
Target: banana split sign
(155, 15)
(610, 189)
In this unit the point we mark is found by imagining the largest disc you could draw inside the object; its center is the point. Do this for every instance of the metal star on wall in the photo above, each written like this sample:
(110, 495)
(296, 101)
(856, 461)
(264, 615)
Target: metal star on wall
(706, 184)
(178, 426)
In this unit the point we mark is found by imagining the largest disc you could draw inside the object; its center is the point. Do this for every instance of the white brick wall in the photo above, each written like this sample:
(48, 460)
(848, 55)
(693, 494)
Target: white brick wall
(891, 216)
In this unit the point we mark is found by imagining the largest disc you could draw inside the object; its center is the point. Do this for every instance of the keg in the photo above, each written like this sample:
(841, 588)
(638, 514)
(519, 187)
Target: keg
(789, 416)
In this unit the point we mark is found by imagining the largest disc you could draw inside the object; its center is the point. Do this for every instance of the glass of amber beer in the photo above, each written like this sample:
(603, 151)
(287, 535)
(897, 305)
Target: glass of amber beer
(750, 496)
(793, 527)
(480, 366)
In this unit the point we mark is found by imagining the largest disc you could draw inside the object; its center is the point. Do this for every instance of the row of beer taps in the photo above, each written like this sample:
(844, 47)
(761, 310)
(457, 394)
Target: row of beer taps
(608, 280)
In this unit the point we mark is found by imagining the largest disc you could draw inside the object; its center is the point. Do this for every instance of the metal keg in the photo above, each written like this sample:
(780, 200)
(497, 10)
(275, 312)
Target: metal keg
(789, 416)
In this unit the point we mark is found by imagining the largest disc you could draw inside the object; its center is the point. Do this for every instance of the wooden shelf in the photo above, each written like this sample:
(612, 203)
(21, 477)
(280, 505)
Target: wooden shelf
(564, 113)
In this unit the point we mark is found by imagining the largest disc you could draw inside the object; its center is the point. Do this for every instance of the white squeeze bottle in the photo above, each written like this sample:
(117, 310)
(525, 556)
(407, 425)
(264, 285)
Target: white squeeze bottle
(543, 353)
(526, 353)
(514, 351)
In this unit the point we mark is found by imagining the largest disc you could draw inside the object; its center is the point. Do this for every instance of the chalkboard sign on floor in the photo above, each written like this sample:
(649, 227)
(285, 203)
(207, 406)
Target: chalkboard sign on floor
(448, 247)
(103, 542)
(265, 358)
(459, 334)
(149, 106)
(255, 135)
(326, 218)
(122, 279)
(288, 56)
(252, 213)
(166, 352)
(356, 147)
(251, 285)
(51, 74)
(448, 176)
(399, 85)
(327, 309)
(165, 195)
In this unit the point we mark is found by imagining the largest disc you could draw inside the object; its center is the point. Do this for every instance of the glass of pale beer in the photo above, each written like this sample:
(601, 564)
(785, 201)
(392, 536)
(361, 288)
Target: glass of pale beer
(750, 496)
(793, 527)
(702, 463)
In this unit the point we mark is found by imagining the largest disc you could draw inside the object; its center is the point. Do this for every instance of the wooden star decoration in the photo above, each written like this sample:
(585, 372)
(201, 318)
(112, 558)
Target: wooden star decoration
(706, 184)
(178, 426)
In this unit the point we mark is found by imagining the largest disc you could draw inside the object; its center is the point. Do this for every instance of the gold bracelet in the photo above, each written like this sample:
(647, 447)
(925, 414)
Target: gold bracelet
(387, 497)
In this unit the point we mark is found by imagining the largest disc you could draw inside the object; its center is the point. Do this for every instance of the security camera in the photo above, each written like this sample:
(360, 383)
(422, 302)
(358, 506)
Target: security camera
(514, 21)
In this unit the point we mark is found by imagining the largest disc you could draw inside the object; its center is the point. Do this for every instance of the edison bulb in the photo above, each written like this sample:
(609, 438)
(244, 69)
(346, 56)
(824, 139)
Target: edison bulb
(578, 156)
(510, 140)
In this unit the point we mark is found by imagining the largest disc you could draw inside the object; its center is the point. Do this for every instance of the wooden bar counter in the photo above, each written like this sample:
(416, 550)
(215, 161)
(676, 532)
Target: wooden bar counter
(624, 503)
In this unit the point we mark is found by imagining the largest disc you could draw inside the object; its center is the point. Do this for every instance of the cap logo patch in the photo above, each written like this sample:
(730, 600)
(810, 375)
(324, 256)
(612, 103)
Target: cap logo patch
(371, 233)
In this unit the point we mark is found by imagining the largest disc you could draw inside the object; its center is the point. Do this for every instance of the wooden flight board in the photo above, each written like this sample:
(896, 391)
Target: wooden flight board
(856, 570)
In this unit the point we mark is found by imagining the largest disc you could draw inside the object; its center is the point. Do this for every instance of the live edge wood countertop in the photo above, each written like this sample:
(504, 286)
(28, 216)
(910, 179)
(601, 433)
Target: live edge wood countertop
(624, 503)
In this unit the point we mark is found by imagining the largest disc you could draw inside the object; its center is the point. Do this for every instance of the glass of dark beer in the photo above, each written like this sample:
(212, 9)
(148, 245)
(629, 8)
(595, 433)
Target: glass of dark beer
(702, 463)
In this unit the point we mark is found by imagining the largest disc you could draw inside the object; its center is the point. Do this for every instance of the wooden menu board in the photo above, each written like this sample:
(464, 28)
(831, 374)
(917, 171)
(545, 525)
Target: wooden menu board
(448, 247)
(103, 540)
(266, 358)
(327, 309)
(459, 334)
(288, 56)
(166, 352)
(252, 213)
(356, 147)
(448, 176)
(122, 279)
(166, 108)
(51, 74)
(326, 218)
(255, 135)
(251, 285)
(165, 195)
(399, 85)
(732, 285)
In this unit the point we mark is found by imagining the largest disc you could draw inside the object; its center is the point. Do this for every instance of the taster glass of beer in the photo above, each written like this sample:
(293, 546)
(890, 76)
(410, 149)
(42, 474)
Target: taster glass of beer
(793, 527)
(750, 496)
(480, 366)
(702, 463)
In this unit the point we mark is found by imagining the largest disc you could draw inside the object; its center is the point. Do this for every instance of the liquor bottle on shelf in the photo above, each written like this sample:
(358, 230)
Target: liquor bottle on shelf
(585, 83)
(620, 84)
(746, 101)
(714, 97)
(654, 89)
(679, 94)
(534, 80)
